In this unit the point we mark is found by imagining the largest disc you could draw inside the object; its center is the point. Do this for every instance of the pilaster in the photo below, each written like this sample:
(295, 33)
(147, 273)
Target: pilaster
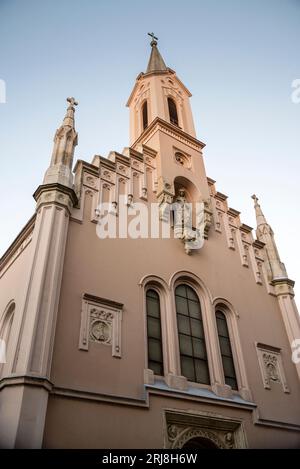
(24, 395)
(289, 312)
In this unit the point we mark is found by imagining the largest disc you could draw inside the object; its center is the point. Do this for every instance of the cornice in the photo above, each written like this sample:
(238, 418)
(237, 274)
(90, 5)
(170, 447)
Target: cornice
(89, 166)
(56, 187)
(245, 228)
(258, 244)
(170, 129)
(218, 195)
(233, 213)
(143, 75)
(283, 281)
(17, 243)
(210, 181)
(26, 380)
(98, 299)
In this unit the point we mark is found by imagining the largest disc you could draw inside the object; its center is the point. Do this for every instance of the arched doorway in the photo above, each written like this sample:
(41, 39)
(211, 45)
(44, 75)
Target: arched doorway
(199, 443)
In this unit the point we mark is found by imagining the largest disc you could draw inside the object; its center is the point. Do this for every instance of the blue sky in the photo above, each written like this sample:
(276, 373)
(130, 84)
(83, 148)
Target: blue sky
(238, 58)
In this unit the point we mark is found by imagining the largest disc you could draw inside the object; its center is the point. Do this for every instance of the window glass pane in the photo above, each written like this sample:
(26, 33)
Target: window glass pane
(194, 309)
(157, 368)
(187, 368)
(231, 382)
(191, 335)
(202, 374)
(220, 315)
(152, 294)
(154, 350)
(155, 354)
(173, 111)
(222, 327)
(185, 344)
(145, 115)
(228, 367)
(225, 346)
(226, 351)
(197, 328)
(181, 305)
(154, 328)
(153, 308)
(181, 291)
(199, 349)
(183, 324)
(192, 295)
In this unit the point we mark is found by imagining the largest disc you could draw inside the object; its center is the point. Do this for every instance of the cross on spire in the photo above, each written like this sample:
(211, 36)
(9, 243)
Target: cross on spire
(154, 38)
(72, 101)
(255, 198)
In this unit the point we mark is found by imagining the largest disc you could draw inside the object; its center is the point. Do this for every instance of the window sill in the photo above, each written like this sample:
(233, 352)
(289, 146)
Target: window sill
(195, 390)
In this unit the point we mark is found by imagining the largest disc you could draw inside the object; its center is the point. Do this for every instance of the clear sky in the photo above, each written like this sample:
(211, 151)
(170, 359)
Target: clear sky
(238, 58)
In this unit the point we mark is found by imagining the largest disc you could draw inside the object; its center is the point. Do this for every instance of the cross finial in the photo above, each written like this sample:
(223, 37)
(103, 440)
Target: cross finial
(154, 39)
(72, 101)
(255, 198)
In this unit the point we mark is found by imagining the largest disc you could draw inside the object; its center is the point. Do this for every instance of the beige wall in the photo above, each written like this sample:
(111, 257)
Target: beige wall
(13, 279)
(113, 269)
(75, 423)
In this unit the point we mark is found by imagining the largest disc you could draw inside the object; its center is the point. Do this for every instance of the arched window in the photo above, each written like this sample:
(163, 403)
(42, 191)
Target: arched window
(200, 443)
(193, 357)
(226, 351)
(145, 115)
(172, 111)
(155, 350)
(5, 328)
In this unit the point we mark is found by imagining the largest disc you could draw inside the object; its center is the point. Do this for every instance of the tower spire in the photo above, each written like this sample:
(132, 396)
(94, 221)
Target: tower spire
(65, 140)
(264, 233)
(260, 218)
(156, 62)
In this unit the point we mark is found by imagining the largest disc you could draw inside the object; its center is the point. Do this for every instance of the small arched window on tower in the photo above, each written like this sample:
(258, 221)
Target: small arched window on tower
(145, 115)
(172, 111)
(193, 356)
(226, 351)
(155, 349)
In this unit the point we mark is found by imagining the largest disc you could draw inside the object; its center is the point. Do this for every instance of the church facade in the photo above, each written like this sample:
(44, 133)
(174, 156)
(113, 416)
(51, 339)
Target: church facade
(137, 310)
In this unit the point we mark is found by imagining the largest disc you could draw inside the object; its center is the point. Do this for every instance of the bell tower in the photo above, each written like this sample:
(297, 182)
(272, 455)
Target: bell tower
(161, 118)
(159, 93)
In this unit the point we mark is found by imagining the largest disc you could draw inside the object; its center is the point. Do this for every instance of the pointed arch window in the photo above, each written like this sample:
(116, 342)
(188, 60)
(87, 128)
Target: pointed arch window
(5, 329)
(145, 115)
(155, 348)
(172, 111)
(193, 356)
(226, 350)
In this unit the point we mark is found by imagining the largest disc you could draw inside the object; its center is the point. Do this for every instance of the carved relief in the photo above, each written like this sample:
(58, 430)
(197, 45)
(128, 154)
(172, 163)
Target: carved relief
(270, 362)
(207, 217)
(182, 426)
(231, 238)
(179, 435)
(271, 366)
(164, 200)
(219, 221)
(135, 164)
(122, 169)
(90, 181)
(107, 175)
(55, 197)
(182, 159)
(245, 255)
(100, 323)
